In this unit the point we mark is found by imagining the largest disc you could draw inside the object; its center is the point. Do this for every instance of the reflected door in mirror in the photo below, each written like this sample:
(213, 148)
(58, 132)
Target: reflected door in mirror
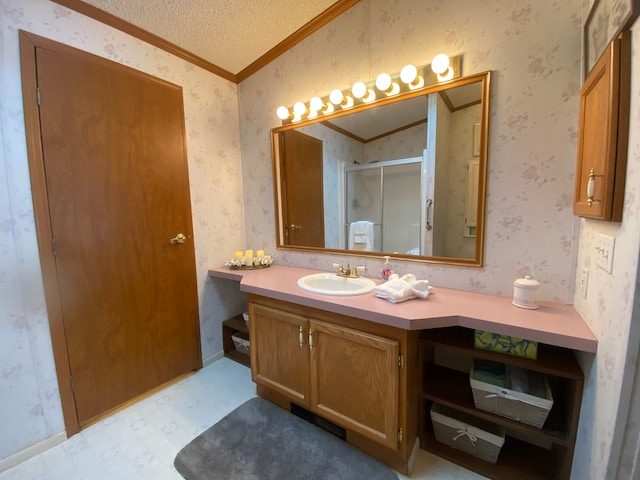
(301, 171)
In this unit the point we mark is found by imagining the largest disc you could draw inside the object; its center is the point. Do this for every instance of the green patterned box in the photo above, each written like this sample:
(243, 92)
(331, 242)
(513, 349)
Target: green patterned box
(505, 344)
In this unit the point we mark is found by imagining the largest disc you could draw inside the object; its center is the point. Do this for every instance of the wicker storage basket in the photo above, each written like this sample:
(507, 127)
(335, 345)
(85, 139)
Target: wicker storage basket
(531, 408)
(464, 432)
(241, 342)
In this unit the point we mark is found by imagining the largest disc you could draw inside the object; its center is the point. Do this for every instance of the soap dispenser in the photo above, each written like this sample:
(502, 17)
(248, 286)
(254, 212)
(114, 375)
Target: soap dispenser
(385, 271)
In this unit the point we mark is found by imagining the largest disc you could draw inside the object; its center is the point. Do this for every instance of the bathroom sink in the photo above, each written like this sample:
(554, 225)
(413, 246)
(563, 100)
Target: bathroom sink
(332, 284)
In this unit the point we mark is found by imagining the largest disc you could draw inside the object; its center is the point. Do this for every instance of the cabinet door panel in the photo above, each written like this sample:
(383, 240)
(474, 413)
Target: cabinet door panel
(355, 381)
(278, 358)
(603, 135)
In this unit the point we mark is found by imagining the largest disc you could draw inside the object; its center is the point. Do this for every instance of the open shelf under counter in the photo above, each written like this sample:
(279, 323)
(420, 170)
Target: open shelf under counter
(551, 359)
(451, 388)
(517, 459)
(528, 452)
(229, 327)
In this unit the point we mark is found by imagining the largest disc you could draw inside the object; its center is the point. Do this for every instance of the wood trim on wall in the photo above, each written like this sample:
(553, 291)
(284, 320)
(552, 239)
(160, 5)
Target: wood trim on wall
(137, 32)
(325, 17)
(28, 44)
(111, 20)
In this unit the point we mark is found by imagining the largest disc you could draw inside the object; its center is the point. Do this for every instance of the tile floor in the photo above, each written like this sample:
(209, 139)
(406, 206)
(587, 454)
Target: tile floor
(141, 441)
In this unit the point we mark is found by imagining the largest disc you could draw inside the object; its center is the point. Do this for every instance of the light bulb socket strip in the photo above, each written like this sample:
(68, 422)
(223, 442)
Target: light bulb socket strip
(425, 78)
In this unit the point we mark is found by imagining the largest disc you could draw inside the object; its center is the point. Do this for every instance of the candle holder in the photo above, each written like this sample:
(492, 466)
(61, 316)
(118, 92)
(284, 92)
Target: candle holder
(256, 263)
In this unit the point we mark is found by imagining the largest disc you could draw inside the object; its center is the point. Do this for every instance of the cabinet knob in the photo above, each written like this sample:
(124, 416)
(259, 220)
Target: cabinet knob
(310, 339)
(301, 336)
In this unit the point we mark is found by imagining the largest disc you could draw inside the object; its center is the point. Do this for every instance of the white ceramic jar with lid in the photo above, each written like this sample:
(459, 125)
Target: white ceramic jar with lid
(525, 293)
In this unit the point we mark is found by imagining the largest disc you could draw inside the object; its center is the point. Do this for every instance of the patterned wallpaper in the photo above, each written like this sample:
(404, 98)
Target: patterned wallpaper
(534, 105)
(533, 49)
(29, 400)
(407, 143)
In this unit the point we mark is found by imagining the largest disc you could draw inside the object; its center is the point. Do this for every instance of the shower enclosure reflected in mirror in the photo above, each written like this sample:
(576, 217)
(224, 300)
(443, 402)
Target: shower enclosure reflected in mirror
(403, 177)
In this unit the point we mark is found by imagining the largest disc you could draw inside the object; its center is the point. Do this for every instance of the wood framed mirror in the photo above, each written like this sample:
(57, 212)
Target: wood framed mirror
(404, 176)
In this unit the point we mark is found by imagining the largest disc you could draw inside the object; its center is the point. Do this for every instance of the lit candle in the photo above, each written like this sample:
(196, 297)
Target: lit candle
(238, 254)
(260, 253)
(248, 255)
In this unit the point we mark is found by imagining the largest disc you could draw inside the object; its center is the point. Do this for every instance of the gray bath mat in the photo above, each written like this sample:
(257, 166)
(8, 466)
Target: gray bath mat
(260, 441)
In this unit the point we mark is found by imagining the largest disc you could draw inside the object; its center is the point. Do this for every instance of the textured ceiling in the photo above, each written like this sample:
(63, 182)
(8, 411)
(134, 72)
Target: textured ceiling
(228, 33)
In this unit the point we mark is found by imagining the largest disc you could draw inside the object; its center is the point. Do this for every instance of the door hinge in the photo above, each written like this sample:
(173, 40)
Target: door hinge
(399, 436)
(53, 246)
(400, 360)
(73, 384)
(38, 95)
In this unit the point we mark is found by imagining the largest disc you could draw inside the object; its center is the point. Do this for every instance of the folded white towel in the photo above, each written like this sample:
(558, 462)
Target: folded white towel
(360, 227)
(361, 235)
(421, 288)
(397, 290)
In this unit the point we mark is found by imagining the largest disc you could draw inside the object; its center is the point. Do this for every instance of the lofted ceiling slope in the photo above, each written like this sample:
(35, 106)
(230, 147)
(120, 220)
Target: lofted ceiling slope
(234, 37)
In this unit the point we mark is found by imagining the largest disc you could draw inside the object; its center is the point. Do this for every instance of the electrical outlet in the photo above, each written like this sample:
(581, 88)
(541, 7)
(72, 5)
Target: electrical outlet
(583, 282)
(604, 247)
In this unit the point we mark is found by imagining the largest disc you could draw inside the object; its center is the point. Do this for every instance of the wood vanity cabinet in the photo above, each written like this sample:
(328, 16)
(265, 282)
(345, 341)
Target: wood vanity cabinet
(529, 453)
(603, 134)
(346, 370)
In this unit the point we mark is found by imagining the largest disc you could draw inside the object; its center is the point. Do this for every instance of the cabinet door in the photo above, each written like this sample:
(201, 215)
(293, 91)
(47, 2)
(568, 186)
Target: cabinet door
(355, 381)
(280, 352)
(603, 135)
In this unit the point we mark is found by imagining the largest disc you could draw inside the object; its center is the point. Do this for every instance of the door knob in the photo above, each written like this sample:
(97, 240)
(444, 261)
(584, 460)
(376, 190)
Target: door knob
(180, 238)
(295, 227)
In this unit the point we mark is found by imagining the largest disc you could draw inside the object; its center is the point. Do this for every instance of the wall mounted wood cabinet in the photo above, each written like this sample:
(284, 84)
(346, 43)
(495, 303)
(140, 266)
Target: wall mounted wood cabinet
(603, 134)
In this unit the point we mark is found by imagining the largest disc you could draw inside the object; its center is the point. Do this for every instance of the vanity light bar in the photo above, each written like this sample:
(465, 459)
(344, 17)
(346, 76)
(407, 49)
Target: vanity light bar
(441, 69)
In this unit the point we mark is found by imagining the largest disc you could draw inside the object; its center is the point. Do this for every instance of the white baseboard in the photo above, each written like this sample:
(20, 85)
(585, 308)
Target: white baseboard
(213, 358)
(32, 451)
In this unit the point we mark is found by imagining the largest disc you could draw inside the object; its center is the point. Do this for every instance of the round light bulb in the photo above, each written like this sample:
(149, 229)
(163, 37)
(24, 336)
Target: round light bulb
(282, 112)
(383, 82)
(440, 63)
(299, 109)
(359, 89)
(315, 104)
(336, 96)
(408, 74)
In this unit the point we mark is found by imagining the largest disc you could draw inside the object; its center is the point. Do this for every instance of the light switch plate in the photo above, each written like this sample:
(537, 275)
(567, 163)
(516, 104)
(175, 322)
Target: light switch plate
(604, 247)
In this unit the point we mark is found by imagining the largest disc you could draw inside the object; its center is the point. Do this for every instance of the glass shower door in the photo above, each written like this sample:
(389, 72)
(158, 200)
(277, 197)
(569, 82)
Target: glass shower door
(401, 208)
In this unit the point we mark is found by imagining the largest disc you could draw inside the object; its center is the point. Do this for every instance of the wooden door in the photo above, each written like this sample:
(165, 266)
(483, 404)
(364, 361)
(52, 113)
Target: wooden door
(303, 191)
(603, 135)
(280, 352)
(117, 191)
(355, 381)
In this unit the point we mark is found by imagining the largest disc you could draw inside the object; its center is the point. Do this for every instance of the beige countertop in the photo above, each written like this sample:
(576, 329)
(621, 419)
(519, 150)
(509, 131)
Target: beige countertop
(553, 323)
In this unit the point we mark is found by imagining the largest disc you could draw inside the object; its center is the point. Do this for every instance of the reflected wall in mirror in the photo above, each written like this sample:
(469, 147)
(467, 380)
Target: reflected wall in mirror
(403, 177)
